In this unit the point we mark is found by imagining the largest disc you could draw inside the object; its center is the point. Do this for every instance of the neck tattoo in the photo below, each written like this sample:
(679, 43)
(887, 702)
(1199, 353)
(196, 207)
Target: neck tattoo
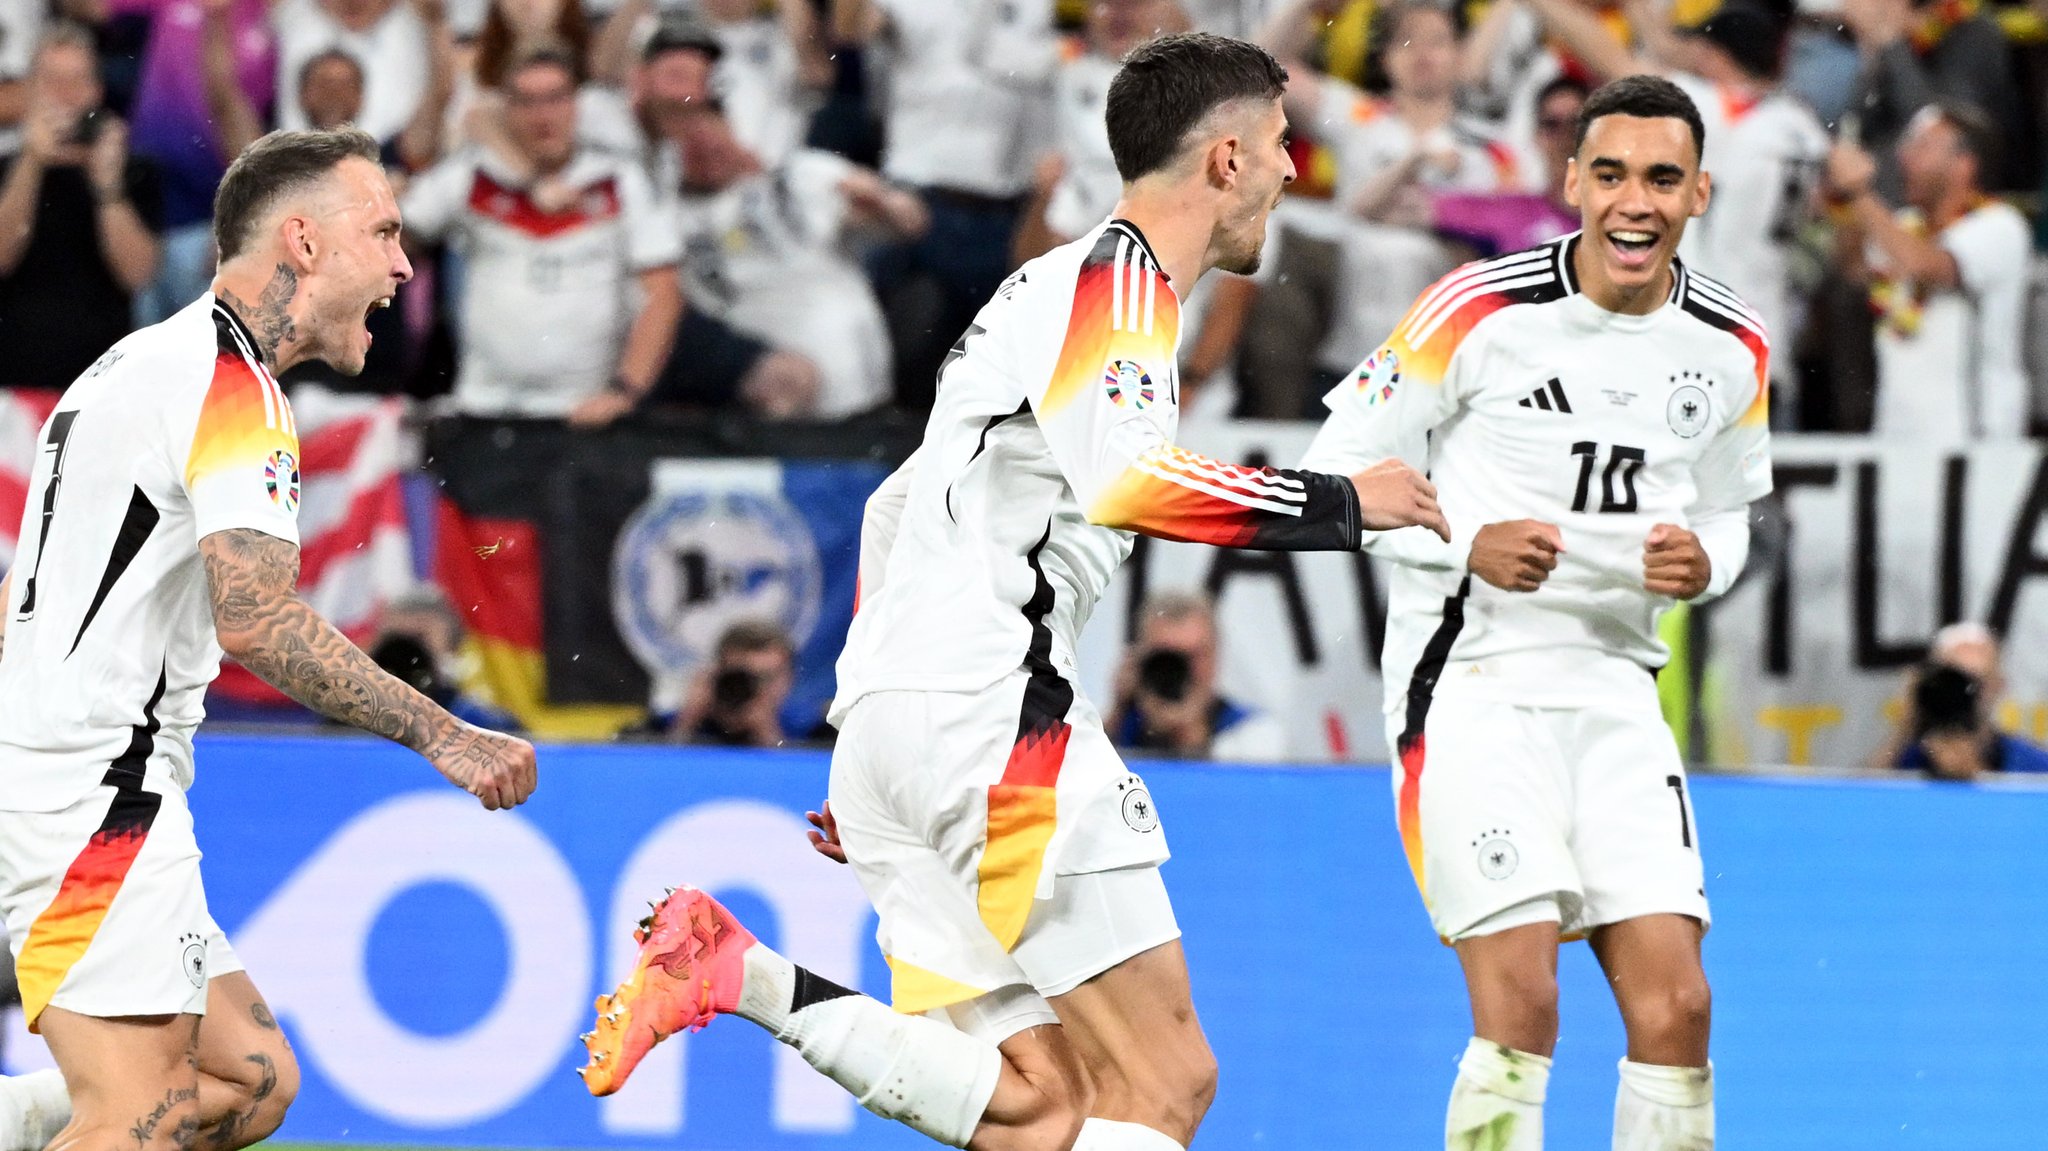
(268, 319)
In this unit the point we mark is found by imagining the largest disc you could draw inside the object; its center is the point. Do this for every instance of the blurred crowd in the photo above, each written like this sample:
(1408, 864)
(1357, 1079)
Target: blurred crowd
(655, 209)
(793, 208)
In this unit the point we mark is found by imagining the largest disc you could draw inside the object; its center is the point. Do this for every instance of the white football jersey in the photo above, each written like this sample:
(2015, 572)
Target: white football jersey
(1765, 157)
(549, 291)
(1050, 444)
(177, 432)
(1525, 400)
(765, 255)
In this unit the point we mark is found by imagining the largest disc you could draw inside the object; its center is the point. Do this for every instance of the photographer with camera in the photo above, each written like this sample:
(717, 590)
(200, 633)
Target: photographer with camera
(736, 699)
(78, 221)
(1166, 698)
(1947, 728)
(419, 640)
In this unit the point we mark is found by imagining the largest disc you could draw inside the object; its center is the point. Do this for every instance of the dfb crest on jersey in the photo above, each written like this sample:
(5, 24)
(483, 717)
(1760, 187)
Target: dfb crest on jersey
(281, 479)
(690, 563)
(193, 958)
(1378, 375)
(1139, 813)
(1128, 384)
(1497, 858)
(1689, 410)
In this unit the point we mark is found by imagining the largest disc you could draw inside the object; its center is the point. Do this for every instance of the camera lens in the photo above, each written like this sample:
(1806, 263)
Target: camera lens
(1945, 700)
(1166, 674)
(734, 688)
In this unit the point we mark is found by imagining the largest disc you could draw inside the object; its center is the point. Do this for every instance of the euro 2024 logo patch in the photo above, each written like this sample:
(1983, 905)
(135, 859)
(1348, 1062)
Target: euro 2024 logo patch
(1378, 375)
(1128, 384)
(281, 479)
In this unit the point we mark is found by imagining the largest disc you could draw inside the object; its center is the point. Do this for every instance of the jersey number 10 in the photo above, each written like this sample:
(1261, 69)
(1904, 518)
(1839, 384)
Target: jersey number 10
(1623, 460)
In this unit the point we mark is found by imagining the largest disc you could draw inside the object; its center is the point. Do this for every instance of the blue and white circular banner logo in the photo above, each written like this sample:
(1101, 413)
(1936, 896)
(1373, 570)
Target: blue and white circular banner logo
(689, 564)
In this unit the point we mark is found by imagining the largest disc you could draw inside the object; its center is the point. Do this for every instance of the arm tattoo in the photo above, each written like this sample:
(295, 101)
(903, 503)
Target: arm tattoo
(260, 1012)
(268, 319)
(182, 1102)
(262, 622)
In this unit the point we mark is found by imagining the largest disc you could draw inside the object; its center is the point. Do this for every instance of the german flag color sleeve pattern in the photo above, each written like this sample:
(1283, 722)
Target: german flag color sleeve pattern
(1735, 470)
(243, 467)
(1409, 386)
(1109, 408)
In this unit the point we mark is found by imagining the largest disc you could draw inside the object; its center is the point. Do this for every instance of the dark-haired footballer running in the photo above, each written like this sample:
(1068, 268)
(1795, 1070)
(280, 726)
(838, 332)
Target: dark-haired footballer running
(1012, 857)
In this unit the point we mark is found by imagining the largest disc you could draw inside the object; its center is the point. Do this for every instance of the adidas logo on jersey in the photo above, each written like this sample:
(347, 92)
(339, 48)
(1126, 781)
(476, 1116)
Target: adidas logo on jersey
(1549, 397)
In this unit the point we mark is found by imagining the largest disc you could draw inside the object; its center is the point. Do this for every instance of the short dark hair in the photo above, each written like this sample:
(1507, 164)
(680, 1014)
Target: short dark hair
(1564, 83)
(274, 167)
(1383, 33)
(1647, 97)
(1975, 135)
(550, 53)
(329, 56)
(753, 635)
(1167, 86)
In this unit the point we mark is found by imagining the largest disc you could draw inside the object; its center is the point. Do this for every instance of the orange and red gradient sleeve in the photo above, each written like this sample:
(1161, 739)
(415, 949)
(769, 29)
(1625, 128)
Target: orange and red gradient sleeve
(1101, 415)
(243, 467)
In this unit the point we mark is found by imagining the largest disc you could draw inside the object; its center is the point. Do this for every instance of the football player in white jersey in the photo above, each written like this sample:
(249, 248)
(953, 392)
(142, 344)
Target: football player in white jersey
(1010, 854)
(1766, 146)
(161, 531)
(1593, 413)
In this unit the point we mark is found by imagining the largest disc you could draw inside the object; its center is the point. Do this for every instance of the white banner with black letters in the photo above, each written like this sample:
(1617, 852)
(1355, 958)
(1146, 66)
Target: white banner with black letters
(1876, 546)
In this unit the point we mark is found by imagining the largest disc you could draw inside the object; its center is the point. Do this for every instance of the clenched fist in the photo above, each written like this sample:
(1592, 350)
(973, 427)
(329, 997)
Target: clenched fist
(1517, 555)
(1674, 563)
(1393, 495)
(498, 769)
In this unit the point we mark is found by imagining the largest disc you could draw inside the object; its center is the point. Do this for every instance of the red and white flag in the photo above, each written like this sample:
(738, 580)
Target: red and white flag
(355, 552)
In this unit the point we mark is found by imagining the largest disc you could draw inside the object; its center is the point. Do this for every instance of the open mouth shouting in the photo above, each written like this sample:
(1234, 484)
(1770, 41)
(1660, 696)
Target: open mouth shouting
(376, 305)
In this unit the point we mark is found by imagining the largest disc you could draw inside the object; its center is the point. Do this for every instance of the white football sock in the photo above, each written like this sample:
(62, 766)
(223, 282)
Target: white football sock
(33, 1108)
(1497, 1103)
(1111, 1135)
(1664, 1108)
(920, 1072)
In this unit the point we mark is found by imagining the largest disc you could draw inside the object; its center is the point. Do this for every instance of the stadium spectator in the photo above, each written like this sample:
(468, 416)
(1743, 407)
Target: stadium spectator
(1167, 700)
(386, 36)
(1392, 154)
(1764, 148)
(570, 299)
(419, 640)
(1495, 223)
(764, 250)
(176, 125)
(1916, 52)
(770, 66)
(722, 366)
(78, 222)
(1947, 277)
(737, 698)
(1948, 727)
(512, 29)
(21, 24)
(330, 86)
(1509, 59)
(967, 95)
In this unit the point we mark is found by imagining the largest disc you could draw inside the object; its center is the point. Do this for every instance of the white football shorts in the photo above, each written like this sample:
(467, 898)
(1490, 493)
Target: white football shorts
(1001, 839)
(1513, 815)
(104, 909)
